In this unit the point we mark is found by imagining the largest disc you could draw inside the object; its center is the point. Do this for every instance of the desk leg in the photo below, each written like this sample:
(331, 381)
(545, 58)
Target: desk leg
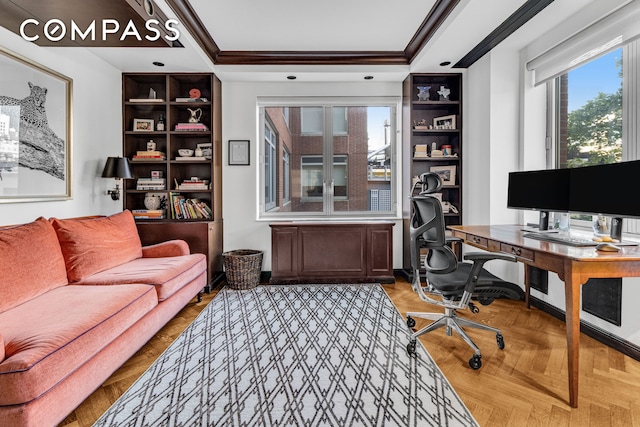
(572, 296)
(527, 285)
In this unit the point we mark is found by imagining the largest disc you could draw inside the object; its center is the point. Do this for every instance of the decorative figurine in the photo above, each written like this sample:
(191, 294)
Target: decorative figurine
(195, 115)
(423, 93)
(444, 93)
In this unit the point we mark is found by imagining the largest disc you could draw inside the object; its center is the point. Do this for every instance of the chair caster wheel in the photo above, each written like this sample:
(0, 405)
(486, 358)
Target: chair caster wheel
(411, 322)
(475, 362)
(474, 309)
(411, 347)
(500, 341)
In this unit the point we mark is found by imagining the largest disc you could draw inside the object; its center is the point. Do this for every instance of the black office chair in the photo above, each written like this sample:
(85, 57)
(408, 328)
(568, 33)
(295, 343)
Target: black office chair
(455, 284)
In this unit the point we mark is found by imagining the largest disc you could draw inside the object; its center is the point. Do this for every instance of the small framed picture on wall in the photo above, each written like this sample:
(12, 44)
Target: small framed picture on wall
(238, 152)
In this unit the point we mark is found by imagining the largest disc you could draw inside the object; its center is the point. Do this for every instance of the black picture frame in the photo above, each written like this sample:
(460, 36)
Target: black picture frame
(239, 152)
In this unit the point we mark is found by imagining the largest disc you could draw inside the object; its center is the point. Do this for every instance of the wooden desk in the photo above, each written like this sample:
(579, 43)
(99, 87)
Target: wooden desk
(574, 265)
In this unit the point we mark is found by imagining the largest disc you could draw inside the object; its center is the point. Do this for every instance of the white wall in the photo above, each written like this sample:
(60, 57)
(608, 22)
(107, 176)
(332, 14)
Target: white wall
(96, 130)
(240, 191)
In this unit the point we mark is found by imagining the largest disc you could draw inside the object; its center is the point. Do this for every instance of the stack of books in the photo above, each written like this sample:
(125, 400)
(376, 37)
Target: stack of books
(149, 155)
(151, 184)
(191, 127)
(193, 185)
(182, 208)
(420, 151)
(149, 213)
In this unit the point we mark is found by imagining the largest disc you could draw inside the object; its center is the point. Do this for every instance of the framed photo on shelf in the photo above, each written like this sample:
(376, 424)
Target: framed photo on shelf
(35, 131)
(444, 122)
(238, 152)
(207, 149)
(142, 125)
(447, 174)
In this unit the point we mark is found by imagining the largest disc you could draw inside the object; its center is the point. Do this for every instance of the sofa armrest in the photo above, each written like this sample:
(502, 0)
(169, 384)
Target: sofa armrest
(1, 349)
(166, 249)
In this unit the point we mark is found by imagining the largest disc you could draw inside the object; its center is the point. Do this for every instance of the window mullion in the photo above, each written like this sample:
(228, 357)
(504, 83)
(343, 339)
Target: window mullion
(327, 160)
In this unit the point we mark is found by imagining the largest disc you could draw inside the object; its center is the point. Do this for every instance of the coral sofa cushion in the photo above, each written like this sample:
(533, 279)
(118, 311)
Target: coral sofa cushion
(167, 274)
(91, 245)
(31, 262)
(50, 336)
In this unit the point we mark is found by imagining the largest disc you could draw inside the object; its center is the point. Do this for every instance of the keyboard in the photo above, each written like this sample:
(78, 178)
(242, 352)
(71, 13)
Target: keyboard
(562, 239)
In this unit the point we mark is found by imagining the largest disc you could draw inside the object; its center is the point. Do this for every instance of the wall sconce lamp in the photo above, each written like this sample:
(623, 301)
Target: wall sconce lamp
(118, 168)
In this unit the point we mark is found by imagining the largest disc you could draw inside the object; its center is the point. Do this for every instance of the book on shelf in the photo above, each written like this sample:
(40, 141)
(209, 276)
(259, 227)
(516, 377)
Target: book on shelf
(148, 213)
(183, 208)
(193, 187)
(192, 100)
(142, 187)
(186, 159)
(146, 100)
(151, 181)
(149, 155)
(191, 127)
(151, 184)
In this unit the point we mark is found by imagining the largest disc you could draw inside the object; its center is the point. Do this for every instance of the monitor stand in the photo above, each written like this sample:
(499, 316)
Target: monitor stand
(543, 224)
(616, 228)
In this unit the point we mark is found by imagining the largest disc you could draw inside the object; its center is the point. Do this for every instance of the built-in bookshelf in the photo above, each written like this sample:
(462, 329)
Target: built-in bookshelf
(172, 137)
(432, 140)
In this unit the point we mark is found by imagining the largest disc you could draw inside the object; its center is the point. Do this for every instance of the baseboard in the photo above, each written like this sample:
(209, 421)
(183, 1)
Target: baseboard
(600, 335)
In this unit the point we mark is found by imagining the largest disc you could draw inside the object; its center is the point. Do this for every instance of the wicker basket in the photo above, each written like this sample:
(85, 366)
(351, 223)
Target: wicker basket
(243, 267)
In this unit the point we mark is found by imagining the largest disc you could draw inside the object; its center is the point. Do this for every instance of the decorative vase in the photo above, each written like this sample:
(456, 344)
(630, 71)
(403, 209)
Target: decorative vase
(151, 201)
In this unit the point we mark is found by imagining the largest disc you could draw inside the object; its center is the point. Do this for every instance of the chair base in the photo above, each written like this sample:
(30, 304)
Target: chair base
(452, 322)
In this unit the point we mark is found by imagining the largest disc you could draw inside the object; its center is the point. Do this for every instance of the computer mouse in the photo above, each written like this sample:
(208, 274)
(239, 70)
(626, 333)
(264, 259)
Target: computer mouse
(607, 247)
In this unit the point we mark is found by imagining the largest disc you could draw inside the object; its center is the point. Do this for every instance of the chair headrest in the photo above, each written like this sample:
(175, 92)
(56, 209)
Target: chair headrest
(431, 183)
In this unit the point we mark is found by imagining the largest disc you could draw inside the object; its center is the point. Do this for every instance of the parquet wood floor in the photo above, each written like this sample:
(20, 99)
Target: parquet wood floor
(523, 385)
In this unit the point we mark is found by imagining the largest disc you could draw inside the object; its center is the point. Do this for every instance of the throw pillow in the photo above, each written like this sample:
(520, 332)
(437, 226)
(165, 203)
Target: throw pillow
(91, 245)
(31, 262)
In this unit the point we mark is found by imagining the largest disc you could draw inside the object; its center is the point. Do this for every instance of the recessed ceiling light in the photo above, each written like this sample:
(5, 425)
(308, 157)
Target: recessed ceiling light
(291, 77)
(445, 63)
(368, 77)
(158, 64)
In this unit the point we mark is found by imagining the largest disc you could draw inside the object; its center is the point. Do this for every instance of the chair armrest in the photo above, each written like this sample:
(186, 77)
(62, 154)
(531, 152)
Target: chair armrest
(166, 249)
(488, 256)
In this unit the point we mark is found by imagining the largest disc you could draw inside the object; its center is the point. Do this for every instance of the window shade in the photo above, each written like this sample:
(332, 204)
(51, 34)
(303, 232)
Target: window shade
(612, 31)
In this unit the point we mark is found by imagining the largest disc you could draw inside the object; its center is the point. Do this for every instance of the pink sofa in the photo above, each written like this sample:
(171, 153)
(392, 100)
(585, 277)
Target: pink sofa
(78, 297)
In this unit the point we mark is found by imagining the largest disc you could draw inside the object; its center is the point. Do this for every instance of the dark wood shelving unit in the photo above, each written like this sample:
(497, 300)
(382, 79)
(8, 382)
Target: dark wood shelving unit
(417, 111)
(203, 234)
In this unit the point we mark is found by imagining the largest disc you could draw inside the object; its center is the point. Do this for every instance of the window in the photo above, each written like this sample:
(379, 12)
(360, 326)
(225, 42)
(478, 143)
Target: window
(596, 114)
(269, 167)
(312, 120)
(344, 172)
(590, 113)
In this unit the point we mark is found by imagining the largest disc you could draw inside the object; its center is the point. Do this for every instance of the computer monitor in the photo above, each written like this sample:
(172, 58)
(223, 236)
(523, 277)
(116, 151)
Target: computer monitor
(541, 190)
(596, 190)
(606, 190)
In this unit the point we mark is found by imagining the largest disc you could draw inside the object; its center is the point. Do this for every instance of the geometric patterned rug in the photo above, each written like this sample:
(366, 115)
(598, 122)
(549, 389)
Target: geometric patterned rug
(293, 355)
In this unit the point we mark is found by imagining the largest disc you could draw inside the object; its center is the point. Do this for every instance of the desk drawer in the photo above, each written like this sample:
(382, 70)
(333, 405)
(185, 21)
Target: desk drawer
(480, 242)
(519, 252)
